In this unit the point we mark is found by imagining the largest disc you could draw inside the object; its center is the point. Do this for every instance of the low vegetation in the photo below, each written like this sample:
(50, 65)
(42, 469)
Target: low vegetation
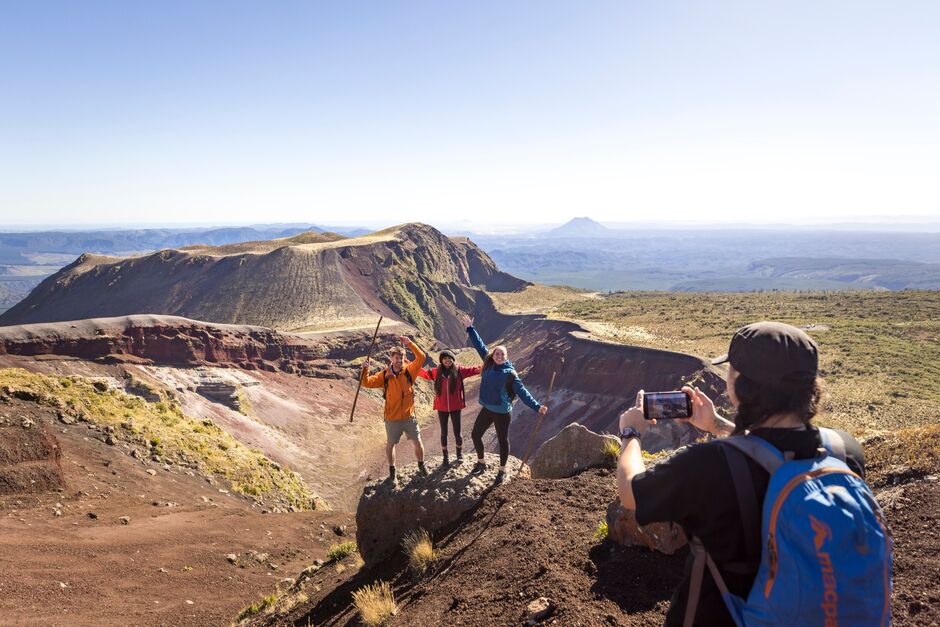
(879, 351)
(420, 551)
(257, 608)
(611, 450)
(164, 429)
(601, 532)
(340, 551)
(375, 603)
(904, 454)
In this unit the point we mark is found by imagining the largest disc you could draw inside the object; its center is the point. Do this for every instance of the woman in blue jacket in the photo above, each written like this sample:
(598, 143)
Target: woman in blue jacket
(497, 378)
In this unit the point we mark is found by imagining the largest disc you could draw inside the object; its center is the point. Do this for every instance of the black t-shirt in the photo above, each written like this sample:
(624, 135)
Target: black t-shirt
(694, 488)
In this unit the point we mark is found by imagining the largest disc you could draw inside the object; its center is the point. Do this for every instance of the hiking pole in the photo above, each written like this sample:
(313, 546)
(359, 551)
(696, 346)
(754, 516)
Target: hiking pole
(369, 356)
(538, 423)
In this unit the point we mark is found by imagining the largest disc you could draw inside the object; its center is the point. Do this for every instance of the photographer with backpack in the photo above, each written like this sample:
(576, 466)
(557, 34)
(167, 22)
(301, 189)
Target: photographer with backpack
(397, 381)
(499, 387)
(782, 528)
(449, 400)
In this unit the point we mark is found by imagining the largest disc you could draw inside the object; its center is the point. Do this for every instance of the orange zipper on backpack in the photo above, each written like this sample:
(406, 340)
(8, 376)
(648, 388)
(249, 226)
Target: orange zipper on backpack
(772, 529)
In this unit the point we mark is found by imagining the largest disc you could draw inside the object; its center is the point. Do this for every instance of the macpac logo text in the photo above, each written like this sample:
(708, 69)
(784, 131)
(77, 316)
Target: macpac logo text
(830, 605)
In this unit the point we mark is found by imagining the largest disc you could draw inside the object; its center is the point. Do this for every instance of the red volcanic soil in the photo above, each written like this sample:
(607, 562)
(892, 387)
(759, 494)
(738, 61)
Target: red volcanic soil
(73, 569)
(533, 538)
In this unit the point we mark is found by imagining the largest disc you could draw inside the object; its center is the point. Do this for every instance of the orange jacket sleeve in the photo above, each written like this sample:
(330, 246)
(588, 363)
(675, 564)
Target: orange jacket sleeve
(415, 366)
(372, 381)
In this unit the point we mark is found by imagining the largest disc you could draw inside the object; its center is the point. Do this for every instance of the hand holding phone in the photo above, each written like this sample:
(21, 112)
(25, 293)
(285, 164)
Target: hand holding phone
(667, 405)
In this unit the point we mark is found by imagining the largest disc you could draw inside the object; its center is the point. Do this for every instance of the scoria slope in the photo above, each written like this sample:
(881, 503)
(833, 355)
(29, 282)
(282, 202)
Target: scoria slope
(412, 272)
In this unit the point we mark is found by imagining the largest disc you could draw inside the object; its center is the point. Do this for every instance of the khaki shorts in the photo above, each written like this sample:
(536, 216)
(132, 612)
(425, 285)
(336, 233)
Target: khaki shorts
(394, 429)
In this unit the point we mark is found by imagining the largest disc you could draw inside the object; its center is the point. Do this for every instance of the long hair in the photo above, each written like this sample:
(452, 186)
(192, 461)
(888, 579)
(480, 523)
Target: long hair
(488, 361)
(757, 402)
(445, 373)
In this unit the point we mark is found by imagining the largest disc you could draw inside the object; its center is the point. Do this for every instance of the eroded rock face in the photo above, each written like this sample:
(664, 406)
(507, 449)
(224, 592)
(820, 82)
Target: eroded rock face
(170, 340)
(387, 512)
(622, 528)
(575, 449)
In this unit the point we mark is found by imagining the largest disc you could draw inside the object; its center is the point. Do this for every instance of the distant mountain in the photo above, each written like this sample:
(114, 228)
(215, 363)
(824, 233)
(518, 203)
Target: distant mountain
(411, 272)
(580, 227)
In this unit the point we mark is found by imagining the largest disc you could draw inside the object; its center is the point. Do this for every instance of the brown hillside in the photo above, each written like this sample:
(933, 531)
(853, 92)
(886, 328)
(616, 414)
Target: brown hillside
(412, 273)
(536, 538)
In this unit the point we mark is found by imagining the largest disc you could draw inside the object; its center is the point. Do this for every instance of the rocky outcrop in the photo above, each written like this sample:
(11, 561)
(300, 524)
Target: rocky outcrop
(169, 340)
(575, 449)
(387, 512)
(622, 528)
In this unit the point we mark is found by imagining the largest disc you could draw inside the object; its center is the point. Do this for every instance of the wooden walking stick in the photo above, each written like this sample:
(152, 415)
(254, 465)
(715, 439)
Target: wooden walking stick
(538, 424)
(359, 387)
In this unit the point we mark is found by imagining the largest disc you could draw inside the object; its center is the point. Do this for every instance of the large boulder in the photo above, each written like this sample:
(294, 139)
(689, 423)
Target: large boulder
(387, 512)
(575, 449)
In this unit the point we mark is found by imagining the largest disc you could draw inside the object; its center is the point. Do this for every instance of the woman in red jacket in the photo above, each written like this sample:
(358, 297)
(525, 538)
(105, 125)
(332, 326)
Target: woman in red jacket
(448, 397)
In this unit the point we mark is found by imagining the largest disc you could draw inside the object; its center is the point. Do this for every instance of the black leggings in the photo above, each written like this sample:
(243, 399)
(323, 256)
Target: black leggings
(484, 419)
(455, 420)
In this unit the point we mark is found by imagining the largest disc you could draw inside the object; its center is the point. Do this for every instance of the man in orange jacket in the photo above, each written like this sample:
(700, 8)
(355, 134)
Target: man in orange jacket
(398, 383)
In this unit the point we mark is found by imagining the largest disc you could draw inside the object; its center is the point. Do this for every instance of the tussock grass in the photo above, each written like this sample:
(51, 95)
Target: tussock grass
(419, 548)
(340, 551)
(257, 608)
(165, 429)
(376, 603)
(611, 451)
(902, 454)
(601, 532)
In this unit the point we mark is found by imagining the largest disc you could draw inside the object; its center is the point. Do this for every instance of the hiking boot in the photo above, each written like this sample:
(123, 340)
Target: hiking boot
(422, 470)
(500, 477)
(446, 459)
(459, 459)
(391, 481)
(478, 469)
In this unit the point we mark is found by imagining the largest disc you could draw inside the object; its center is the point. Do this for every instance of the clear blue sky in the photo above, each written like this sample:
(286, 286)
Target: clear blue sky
(212, 112)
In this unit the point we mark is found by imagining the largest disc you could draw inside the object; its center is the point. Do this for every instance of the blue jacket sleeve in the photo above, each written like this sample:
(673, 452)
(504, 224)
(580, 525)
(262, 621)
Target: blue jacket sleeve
(524, 394)
(477, 342)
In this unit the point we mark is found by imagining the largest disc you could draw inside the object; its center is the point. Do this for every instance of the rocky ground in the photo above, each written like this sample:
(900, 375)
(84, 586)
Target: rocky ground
(119, 545)
(535, 538)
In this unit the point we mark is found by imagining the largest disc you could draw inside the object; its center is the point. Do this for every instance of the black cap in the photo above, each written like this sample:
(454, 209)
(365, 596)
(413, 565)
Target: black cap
(447, 353)
(773, 353)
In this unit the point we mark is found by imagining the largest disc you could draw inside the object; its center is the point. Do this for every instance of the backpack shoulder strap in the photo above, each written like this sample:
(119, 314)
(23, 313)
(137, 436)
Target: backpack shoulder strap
(833, 442)
(760, 450)
(749, 507)
(408, 376)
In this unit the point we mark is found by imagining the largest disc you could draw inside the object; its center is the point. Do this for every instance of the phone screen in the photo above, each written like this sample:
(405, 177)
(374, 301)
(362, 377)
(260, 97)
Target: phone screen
(666, 405)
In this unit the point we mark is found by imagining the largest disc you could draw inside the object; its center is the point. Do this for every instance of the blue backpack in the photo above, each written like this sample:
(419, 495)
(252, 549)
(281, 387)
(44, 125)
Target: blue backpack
(826, 557)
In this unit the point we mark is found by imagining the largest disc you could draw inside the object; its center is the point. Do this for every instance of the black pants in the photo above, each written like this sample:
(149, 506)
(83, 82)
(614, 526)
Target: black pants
(484, 419)
(455, 420)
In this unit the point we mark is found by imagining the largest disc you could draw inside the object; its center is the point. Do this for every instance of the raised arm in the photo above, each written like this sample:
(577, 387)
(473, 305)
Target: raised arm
(427, 373)
(419, 354)
(477, 342)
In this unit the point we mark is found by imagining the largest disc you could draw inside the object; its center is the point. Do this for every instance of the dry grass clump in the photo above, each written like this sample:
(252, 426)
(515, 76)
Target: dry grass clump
(611, 451)
(257, 608)
(340, 551)
(376, 603)
(420, 551)
(904, 454)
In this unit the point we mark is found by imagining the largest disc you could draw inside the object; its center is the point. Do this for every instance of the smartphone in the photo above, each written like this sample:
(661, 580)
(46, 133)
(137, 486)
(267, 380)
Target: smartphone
(666, 405)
